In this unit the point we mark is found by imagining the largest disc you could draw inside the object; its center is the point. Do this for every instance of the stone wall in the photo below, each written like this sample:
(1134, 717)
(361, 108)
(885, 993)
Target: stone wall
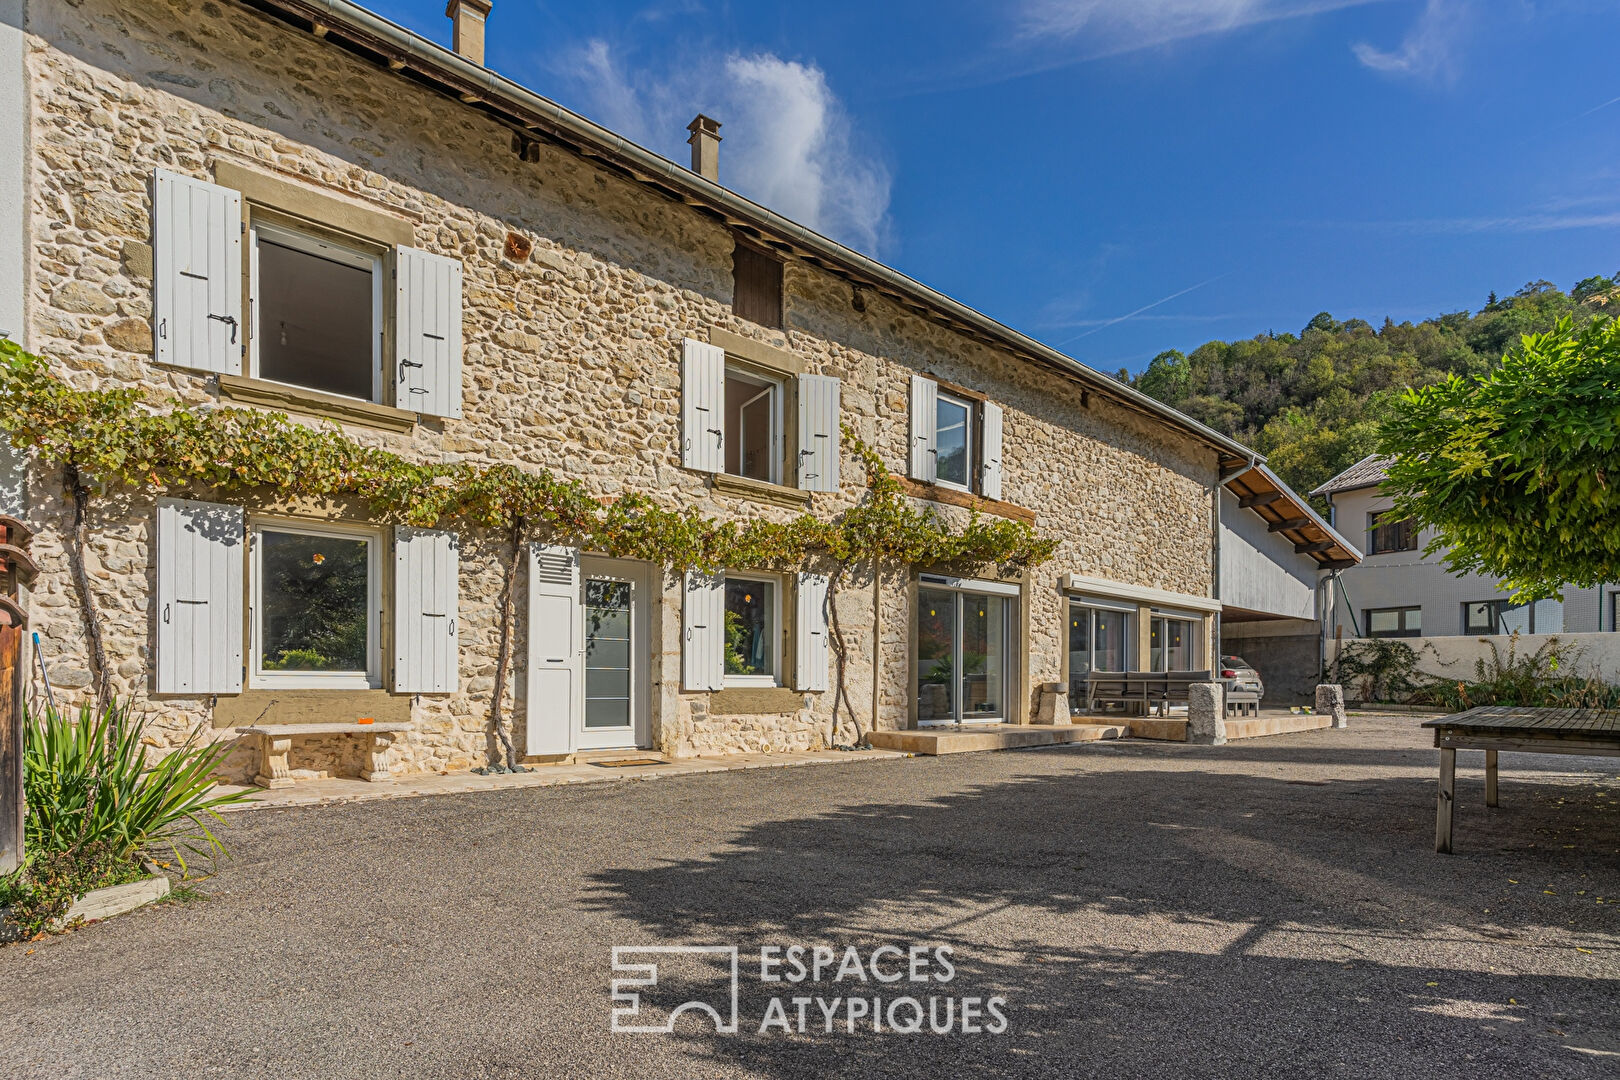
(570, 361)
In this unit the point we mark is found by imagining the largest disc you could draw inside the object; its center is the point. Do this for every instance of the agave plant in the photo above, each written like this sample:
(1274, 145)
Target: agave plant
(87, 781)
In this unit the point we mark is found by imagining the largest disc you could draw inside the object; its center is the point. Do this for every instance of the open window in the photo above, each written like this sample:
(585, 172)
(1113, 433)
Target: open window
(317, 312)
(955, 438)
(316, 600)
(954, 441)
(753, 425)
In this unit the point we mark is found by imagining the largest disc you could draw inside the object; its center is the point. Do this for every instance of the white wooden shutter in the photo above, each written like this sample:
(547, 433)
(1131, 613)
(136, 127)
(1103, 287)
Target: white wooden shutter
(818, 432)
(810, 633)
(427, 594)
(200, 574)
(555, 694)
(197, 301)
(924, 428)
(703, 617)
(427, 332)
(703, 406)
(990, 472)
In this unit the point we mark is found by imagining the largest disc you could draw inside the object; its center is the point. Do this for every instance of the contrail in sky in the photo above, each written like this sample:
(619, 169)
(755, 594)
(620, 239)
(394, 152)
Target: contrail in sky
(1138, 311)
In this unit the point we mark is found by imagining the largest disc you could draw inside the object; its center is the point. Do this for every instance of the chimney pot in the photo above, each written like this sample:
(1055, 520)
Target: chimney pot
(705, 143)
(467, 16)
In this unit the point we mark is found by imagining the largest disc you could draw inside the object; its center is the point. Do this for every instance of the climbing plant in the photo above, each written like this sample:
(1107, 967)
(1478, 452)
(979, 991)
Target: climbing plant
(118, 439)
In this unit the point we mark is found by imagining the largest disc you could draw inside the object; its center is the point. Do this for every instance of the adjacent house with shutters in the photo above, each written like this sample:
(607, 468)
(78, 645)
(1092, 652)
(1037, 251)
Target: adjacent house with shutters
(298, 206)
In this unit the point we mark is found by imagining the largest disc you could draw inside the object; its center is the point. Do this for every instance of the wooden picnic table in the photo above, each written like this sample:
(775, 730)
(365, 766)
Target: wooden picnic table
(1493, 728)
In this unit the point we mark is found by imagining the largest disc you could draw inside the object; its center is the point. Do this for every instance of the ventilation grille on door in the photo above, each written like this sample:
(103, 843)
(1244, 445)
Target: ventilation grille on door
(554, 567)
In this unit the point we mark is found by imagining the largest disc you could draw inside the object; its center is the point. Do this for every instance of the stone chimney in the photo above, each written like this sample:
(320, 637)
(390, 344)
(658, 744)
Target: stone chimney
(705, 143)
(468, 17)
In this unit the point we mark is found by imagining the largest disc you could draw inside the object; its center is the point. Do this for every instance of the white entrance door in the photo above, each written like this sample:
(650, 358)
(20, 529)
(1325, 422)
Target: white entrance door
(615, 639)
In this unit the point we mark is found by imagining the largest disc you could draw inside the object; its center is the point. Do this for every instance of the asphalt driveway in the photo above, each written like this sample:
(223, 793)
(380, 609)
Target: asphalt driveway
(1268, 908)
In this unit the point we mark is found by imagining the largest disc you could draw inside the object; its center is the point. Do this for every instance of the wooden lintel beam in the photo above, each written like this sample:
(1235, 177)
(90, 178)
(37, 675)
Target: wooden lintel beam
(1259, 498)
(1230, 471)
(1335, 564)
(1289, 523)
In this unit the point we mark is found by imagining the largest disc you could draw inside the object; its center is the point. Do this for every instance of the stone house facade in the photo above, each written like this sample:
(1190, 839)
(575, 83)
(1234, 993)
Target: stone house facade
(301, 208)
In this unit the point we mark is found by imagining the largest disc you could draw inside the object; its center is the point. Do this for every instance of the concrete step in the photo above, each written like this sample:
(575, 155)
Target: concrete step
(1253, 727)
(972, 737)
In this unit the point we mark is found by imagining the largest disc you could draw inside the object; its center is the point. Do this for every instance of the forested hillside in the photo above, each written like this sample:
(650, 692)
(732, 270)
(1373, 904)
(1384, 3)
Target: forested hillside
(1310, 401)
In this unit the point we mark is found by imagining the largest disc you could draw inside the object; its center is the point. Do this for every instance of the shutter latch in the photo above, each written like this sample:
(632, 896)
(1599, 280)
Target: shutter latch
(227, 319)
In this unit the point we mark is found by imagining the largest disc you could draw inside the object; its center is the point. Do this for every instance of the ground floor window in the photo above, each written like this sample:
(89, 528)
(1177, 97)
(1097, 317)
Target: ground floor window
(961, 655)
(315, 600)
(1172, 643)
(753, 631)
(1394, 622)
(1099, 640)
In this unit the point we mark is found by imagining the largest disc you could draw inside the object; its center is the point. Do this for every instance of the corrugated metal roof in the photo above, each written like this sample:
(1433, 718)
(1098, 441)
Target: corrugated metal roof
(1367, 472)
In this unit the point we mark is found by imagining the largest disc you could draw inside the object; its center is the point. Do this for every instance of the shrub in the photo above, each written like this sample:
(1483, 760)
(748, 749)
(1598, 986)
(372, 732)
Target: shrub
(39, 893)
(87, 782)
(1545, 678)
(1381, 668)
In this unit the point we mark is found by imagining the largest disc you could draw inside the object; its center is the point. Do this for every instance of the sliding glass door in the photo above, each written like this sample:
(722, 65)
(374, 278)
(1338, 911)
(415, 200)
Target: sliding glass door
(962, 650)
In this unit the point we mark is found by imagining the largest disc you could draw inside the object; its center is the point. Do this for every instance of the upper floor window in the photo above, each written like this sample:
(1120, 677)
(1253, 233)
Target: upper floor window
(1390, 535)
(756, 286)
(316, 312)
(753, 425)
(955, 438)
(954, 442)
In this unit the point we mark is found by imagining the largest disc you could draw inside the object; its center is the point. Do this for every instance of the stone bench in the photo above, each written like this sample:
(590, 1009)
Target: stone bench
(275, 740)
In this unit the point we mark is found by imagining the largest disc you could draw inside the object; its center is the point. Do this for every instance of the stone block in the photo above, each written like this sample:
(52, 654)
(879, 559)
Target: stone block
(1330, 703)
(117, 899)
(1206, 713)
(1054, 704)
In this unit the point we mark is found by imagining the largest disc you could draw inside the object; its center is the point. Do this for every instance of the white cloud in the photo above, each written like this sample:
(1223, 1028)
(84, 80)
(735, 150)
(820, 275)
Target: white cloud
(1117, 26)
(1429, 48)
(788, 143)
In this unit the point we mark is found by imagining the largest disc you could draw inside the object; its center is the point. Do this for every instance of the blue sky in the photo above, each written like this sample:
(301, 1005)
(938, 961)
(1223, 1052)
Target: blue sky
(1118, 177)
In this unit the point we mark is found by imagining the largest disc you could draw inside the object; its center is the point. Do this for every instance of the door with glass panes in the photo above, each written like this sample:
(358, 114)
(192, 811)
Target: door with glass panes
(614, 602)
(961, 666)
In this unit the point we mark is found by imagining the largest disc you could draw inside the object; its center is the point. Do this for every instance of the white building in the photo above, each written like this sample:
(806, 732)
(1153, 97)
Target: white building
(1398, 591)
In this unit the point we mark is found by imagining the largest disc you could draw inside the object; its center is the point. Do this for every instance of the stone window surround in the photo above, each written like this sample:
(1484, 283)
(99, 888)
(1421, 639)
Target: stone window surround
(774, 363)
(279, 201)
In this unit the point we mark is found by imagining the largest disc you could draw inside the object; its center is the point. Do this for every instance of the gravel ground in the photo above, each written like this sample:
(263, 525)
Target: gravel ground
(1267, 908)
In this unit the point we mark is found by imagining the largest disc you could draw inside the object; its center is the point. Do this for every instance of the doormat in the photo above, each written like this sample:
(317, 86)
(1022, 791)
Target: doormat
(629, 762)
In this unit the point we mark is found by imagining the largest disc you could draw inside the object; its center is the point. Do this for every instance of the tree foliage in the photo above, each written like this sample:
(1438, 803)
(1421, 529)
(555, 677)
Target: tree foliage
(1311, 401)
(1515, 468)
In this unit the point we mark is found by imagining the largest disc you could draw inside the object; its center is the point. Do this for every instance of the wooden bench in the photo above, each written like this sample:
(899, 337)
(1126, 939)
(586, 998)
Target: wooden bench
(275, 740)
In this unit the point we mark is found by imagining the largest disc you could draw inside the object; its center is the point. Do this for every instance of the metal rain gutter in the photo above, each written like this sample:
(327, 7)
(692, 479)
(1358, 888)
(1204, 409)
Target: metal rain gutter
(364, 27)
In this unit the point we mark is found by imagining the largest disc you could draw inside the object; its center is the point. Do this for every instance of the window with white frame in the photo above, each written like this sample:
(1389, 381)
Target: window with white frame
(315, 597)
(753, 425)
(317, 313)
(753, 631)
(954, 441)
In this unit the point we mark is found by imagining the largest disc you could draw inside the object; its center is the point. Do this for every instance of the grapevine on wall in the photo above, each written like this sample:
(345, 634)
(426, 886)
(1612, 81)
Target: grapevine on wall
(110, 439)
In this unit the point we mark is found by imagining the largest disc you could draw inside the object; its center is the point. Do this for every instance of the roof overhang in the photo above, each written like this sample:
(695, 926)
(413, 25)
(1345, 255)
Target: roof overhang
(1260, 491)
(348, 26)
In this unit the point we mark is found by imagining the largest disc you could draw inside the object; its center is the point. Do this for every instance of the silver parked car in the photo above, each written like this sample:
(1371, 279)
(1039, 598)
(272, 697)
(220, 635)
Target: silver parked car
(1239, 676)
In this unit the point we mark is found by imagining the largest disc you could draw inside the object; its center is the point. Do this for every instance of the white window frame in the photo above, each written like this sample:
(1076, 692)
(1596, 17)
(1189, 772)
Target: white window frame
(310, 244)
(776, 387)
(970, 410)
(258, 678)
(773, 631)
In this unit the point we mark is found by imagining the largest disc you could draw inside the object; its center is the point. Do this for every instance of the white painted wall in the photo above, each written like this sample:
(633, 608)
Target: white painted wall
(13, 254)
(1260, 570)
(1454, 657)
(1408, 579)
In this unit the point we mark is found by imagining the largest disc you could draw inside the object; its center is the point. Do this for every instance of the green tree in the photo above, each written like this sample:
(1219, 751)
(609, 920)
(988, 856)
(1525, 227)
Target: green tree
(1515, 469)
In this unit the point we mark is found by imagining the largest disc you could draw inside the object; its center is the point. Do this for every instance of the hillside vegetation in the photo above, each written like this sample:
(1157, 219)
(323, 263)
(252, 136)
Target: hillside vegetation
(1310, 401)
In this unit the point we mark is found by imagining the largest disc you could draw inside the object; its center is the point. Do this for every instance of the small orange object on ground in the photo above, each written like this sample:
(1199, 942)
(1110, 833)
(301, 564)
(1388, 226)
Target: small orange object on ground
(366, 720)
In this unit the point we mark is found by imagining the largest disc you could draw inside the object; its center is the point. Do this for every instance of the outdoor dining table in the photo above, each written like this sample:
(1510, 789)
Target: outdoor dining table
(1493, 728)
